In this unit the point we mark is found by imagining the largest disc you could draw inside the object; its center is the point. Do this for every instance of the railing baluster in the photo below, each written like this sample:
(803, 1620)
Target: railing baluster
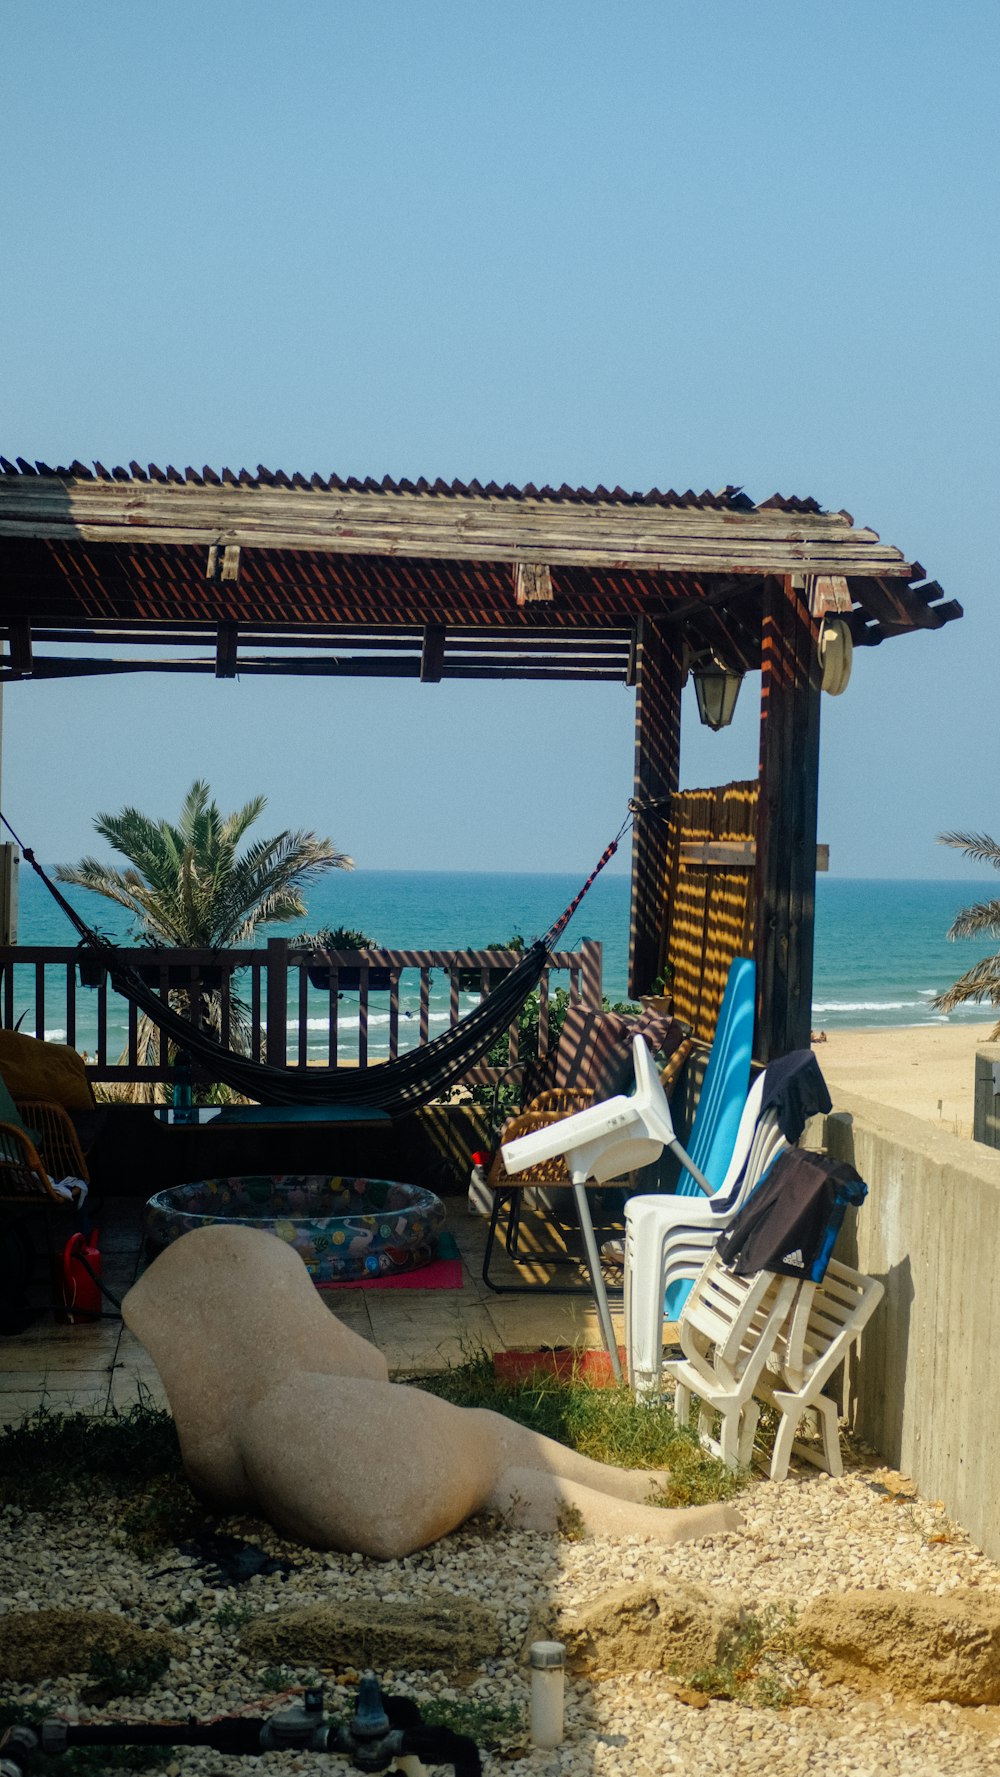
(71, 1008)
(302, 1044)
(363, 1016)
(394, 1016)
(255, 1021)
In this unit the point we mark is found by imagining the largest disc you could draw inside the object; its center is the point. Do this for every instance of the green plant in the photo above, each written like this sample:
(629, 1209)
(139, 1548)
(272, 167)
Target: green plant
(111, 1677)
(231, 1616)
(572, 1528)
(605, 1423)
(48, 1454)
(182, 1614)
(495, 1727)
(188, 886)
(764, 1662)
(335, 938)
(277, 1678)
(981, 920)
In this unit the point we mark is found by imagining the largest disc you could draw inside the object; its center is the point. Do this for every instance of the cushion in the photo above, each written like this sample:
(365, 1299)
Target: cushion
(594, 1052)
(33, 1069)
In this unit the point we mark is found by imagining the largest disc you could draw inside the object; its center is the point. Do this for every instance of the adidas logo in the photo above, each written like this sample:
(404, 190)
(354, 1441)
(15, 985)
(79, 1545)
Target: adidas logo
(794, 1258)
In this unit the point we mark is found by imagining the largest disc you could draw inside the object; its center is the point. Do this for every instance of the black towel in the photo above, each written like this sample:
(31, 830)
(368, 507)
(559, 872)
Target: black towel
(790, 1222)
(795, 1088)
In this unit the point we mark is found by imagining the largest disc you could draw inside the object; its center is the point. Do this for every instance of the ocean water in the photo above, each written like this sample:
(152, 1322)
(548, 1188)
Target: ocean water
(882, 952)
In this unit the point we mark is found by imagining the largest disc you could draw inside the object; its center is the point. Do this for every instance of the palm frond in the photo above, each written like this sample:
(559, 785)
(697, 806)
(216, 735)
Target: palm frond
(980, 982)
(982, 920)
(977, 846)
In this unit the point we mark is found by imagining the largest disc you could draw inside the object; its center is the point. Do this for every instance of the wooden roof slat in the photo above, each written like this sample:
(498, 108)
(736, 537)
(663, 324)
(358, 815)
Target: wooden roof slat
(463, 528)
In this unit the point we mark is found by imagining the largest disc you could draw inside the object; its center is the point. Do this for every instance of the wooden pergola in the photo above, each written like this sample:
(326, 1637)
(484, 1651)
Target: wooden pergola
(272, 573)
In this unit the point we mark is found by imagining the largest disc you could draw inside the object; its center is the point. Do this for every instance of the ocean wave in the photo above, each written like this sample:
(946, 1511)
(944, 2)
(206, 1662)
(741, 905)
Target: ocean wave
(375, 1019)
(826, 1006)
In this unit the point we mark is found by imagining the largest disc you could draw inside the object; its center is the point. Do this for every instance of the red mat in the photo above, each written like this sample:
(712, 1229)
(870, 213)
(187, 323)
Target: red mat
(443, 1273)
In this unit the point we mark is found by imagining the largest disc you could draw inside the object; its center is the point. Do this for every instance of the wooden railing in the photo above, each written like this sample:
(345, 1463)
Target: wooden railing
(273, 993)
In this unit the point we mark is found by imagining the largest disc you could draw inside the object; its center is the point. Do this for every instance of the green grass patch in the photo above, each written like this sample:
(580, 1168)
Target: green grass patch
(49, 1454)
(604, 1423)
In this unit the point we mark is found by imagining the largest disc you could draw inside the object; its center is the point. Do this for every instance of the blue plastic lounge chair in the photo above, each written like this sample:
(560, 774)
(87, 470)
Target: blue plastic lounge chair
(723, 1096)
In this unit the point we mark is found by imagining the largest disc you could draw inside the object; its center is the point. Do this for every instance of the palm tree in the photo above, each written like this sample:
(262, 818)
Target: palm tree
(189, 888)
(982, 920)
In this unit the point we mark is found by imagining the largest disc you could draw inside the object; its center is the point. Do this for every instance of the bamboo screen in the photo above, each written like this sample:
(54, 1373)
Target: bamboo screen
(709, 906)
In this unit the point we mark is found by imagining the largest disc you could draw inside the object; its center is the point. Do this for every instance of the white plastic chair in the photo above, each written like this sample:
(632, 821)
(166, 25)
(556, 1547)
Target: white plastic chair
(668, 1237)
(601, 1143)
(727, 1330)
(825, 1320)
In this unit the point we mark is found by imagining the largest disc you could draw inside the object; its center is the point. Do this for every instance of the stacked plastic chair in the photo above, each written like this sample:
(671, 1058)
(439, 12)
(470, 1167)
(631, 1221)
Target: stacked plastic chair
(668, 1238)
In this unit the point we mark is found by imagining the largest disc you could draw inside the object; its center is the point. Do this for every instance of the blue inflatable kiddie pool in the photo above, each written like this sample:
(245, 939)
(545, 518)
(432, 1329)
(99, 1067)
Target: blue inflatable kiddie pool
(344, 1229)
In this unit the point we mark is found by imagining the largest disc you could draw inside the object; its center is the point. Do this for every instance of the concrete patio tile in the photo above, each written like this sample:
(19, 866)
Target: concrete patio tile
(19, 1360)
(63, 1399)
(57, 1380)
(426, 1357)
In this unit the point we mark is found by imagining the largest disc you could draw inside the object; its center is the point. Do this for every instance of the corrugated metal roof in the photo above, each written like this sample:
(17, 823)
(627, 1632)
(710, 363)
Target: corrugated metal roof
(728, 499)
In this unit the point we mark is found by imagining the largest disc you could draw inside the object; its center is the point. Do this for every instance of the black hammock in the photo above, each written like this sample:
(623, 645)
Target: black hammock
(406, 1083)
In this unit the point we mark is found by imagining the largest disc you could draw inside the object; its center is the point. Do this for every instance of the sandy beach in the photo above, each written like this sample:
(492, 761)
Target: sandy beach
(928, 1070)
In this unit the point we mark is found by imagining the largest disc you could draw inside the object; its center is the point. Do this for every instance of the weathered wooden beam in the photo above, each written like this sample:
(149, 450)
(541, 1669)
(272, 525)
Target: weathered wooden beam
(532, 583)
(659, 677)
(460, 527)
(359, 666)
(432, 654)
(786, 820)
(826, 593)
(226, 650)
(733, 854)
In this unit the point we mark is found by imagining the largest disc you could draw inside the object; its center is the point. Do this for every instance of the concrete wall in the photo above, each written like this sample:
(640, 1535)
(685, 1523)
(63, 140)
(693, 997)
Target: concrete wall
(924, 1386)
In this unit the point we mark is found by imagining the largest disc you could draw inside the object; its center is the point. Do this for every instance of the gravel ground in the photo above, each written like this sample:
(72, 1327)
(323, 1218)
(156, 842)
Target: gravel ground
(809, 1535)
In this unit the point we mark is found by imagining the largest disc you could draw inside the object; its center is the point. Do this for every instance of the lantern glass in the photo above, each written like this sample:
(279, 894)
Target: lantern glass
(716, 691)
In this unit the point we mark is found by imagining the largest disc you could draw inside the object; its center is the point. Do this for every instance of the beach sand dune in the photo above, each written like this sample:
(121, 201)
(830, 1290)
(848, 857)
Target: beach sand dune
(927, 1070)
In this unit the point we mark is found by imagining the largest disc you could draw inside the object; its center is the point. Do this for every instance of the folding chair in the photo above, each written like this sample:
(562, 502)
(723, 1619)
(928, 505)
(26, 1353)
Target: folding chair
(668, 1239)
(727, 1330)
(825, 1320)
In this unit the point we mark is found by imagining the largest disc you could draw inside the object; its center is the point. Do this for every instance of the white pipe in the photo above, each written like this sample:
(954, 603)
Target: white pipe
(548, 1672)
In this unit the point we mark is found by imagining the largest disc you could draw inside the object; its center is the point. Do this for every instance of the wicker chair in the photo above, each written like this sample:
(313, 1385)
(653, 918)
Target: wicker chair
(39, 1141)
(33, 1152)
(598, 1046)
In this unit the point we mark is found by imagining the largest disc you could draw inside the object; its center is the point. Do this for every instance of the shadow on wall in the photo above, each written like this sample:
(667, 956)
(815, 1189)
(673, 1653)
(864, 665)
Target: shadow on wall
(869, 1386)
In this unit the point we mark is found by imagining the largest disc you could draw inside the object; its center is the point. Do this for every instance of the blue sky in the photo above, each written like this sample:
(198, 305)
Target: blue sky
(651, 244)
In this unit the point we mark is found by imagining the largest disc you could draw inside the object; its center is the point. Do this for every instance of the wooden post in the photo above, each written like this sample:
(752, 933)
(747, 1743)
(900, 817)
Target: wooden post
(786, 819)
(659, 674)
(276, 1038)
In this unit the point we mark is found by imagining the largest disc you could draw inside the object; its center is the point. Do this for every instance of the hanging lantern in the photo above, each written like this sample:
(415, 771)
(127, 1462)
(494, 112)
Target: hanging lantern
(836, 652)
(716, 690)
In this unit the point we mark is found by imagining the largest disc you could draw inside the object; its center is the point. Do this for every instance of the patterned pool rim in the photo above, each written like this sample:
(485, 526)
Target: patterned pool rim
(342, 1228)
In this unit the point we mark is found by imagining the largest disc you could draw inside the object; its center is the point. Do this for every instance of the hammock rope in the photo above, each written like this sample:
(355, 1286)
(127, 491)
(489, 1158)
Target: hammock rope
(403, 1084)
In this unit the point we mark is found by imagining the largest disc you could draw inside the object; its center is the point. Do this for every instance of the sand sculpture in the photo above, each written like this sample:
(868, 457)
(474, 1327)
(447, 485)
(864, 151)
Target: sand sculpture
(281, 1409)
